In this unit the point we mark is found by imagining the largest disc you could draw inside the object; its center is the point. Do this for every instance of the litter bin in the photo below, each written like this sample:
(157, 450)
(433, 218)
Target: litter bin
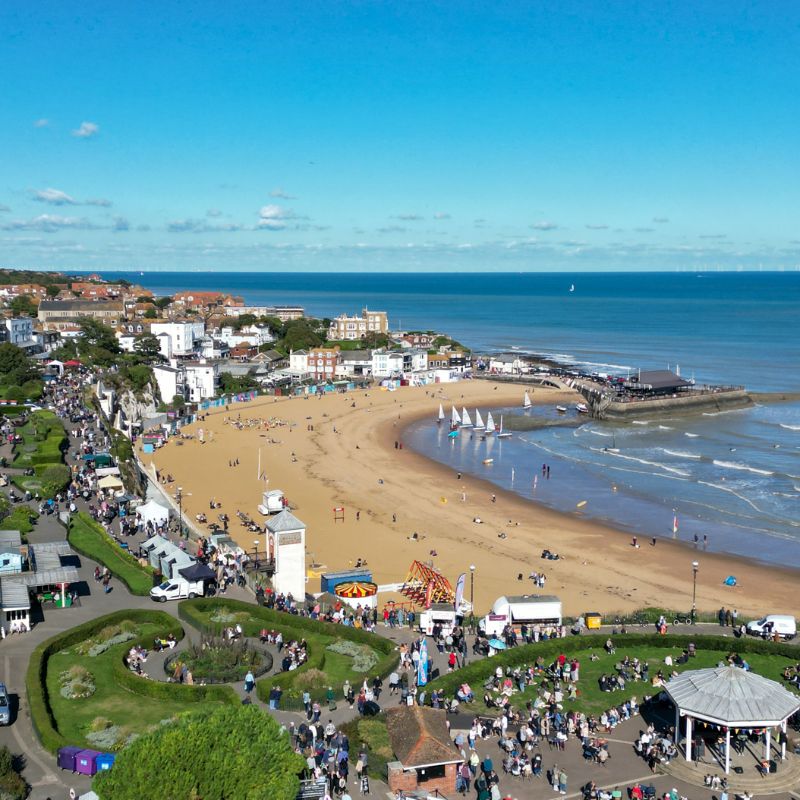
(593, 620)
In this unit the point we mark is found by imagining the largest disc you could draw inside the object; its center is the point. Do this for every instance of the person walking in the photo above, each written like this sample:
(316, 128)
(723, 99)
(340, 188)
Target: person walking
(562, 782)
(249, 681)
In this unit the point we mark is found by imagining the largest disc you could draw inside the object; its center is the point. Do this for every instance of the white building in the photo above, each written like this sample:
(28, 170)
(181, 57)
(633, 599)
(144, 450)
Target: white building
(20, 331)
(298, 362)
(398, 363)
(507, 364)
(344, 327)
(193, 381)
(354, 363)
(286, 543)
(182, 338)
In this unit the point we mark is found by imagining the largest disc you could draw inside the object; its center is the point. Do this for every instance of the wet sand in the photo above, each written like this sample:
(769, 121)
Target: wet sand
(349, 460)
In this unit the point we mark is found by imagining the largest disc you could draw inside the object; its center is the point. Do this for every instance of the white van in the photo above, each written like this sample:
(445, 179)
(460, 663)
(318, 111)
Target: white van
(782, 624)
(177, 589)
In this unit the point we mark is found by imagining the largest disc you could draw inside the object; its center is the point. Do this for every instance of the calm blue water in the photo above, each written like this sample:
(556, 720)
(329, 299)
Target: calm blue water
(733, 477)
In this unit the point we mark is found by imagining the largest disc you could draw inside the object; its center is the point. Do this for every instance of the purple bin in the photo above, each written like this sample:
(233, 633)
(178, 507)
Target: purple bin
(86, 762)
(66, 757)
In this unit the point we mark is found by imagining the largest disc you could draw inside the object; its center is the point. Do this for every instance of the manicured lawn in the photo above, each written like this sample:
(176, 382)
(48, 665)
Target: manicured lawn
(593, 701)
(43, 438)
(324, 667)
(89, 539)
(133, 713)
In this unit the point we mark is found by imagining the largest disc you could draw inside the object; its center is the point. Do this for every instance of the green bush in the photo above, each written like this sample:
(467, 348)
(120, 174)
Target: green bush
(477, 672)
(20, 519)
(372, 736)
(255, 763)
(317, 634)
(89, 539)
(42, 719)
(12, 784)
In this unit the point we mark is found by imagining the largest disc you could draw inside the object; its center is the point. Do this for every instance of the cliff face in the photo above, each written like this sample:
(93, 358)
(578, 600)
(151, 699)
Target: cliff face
(136, 407)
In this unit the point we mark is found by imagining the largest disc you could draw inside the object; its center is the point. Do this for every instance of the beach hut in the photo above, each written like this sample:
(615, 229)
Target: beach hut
(730, 698)
(66, 757)
(358, 593)
(86, 762)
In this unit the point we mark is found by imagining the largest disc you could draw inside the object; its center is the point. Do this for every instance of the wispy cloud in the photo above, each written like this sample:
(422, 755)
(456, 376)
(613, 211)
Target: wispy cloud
(281, 194)
(143, 228)
(213, 212)
(661, 220)
(202, 226)
(4, 208)
(544, 225)
(644, 230)
(119, 224)
(273, 217)
(41, 123)
(442, 215)
(392, 229)
(410, 217)
(49, 223)
(86, 130)
(55, 197)
(98, 201)
(713, 236)
(592, 227)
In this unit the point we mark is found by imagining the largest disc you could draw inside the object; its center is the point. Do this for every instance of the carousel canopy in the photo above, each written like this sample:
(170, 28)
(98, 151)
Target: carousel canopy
(356, 589)
(732, 696)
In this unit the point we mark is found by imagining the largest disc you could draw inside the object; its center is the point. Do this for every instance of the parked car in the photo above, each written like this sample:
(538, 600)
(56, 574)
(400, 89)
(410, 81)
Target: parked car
(782, 624)
(5, 706)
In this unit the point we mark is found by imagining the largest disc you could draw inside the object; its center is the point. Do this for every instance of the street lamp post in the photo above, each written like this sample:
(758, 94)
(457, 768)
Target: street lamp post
(472, 596)
(695, 567)
(179, 498)
(255, 554)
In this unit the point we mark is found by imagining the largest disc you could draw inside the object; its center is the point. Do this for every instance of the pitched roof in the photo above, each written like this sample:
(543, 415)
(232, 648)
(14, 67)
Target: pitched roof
(284, 521)
(658, 379)
(732, 696)
(419, 736)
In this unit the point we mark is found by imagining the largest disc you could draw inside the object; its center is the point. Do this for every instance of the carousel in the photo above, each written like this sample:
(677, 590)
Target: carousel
(358, 593)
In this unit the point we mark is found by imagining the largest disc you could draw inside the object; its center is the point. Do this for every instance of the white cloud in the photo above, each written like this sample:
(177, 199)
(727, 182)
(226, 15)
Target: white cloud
(643, 230)
(393, 229)
(544, 225)
(281, 194)
(201, 226)
(4, 208)
(99, 201)
(272, 217)
(597, 227)
(41, 123)
(86, 130)
(49, 223)
(120, 224)
(55, 197)
(410, 217)
(441, 215)
(213, 212)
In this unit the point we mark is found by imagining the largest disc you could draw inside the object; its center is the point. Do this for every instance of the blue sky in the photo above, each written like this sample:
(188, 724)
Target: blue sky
(400, 136)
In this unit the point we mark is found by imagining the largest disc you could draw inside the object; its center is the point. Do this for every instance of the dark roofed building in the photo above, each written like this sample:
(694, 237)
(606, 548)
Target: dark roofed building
(657, 381)
(426, 756)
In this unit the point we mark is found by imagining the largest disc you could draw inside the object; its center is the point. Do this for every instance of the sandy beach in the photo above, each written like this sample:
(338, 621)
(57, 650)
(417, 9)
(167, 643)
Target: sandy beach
(339, 451)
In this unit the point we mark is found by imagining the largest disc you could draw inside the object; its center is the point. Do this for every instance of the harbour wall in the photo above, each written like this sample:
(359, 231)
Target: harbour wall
(710, 401)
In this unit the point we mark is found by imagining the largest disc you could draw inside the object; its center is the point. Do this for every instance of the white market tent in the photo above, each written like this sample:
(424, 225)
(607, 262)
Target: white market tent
(730, 697)
(110, 482)
(152, 512)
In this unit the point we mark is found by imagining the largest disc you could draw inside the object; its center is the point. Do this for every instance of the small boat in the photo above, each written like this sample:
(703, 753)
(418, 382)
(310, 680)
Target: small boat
(490, 426)
(582, 408)
(561, 409)
(455, 419)
(501, 434)
(488, 461)
(479, 426)
(572, 287)
(526, 403)
(441, 414)
(453, 434)
(466, 422)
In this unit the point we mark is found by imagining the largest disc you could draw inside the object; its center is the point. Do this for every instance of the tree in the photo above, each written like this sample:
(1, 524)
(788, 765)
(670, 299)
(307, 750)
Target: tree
(12, 358)
(299, 335)
(187, 760)
(162, 302)
(148, 347)
(151, 313)
(97, 334)
(23, 306)
(52, 290)
(233, 384)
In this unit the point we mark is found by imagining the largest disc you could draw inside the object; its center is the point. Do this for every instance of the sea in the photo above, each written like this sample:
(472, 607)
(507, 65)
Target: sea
(731, 481)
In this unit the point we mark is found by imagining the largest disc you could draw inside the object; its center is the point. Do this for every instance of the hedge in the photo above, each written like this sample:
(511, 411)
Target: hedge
(90, 540)
(293, 625)
(42, 718)
(477, 672)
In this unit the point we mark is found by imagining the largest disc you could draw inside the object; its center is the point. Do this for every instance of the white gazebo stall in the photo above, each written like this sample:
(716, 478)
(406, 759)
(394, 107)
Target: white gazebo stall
(731, 698)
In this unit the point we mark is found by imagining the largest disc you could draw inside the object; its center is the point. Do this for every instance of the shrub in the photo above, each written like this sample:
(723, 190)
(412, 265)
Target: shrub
(264, 766)
(77, 683)
(12, 784)
(364, 658)
(20, 519)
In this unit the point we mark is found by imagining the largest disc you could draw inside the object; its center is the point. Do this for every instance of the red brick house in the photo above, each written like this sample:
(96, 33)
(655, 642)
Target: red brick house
(427, 759)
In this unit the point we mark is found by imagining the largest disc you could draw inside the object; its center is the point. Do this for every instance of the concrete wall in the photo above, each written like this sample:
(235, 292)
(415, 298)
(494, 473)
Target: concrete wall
(689, 404)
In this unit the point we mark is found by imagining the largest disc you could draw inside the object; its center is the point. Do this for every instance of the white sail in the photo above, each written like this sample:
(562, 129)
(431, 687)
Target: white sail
(490, 426)
(526, 403)
(441, 412)
(466, 422)
(501, 434)
(479, 426)
(455, 419)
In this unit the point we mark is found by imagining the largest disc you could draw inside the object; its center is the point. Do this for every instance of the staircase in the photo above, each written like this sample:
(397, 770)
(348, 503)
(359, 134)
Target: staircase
(786, 778)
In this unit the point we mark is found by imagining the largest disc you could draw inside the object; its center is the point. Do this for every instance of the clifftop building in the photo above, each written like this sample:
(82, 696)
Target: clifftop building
(350, 328)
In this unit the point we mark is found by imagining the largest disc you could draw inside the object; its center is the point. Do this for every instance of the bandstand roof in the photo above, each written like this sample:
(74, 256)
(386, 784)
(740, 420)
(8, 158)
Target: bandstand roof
(732, 696)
